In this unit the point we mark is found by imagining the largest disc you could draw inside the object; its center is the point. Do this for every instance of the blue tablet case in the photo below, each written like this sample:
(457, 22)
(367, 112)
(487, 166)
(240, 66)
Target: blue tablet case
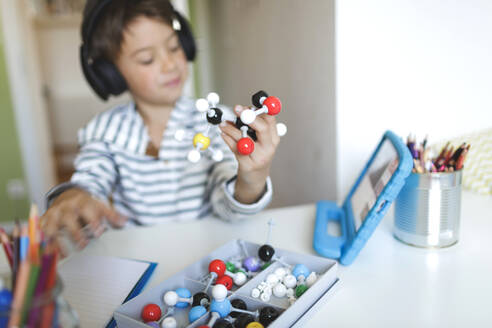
(137, 288)
(346, 247)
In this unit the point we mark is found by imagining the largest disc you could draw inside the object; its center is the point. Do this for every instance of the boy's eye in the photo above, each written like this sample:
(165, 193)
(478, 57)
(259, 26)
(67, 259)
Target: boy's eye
(173, 44)
(146, 61)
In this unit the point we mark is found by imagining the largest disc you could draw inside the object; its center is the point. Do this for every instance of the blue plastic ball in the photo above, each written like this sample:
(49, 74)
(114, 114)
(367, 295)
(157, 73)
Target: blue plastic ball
(183, 293)
(153, 324)
(196, 312)
(300, 270)
(222, 308)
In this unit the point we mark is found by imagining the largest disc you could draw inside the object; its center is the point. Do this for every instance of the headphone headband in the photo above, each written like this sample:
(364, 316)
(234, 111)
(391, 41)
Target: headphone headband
(92, 17)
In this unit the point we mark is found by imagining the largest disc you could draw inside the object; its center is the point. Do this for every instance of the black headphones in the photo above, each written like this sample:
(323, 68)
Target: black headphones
(101, 74)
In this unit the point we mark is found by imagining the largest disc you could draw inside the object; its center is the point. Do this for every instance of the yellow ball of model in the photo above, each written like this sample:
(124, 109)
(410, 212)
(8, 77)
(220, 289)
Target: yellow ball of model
(254, 325)
(204, 141)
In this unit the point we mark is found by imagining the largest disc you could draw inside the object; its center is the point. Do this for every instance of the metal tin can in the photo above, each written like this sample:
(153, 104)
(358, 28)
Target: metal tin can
(427, 209)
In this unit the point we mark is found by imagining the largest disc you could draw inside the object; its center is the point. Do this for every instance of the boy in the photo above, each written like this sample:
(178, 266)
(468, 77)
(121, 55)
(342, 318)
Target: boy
(129, 153)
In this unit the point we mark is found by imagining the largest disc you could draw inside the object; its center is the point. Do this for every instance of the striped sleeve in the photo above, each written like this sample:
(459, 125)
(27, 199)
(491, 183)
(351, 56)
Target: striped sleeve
(95, 169)
(222, 182)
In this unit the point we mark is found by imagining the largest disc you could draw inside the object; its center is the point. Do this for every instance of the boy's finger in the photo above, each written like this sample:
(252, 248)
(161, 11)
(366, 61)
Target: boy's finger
(61, 247)
(71, 223)
(231, 131)
(114, 218)
(230, 142)
(271, 121)
(238, 109)
(100, 230)
(272, 126)
(91, 216)
(263, 131)
(49, 223)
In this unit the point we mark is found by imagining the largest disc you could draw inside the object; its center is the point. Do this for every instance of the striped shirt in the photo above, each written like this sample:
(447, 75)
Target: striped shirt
(112, 162)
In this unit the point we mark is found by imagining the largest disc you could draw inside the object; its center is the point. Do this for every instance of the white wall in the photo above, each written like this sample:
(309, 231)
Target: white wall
(411, 66)
(30, 111)
(189, 88)
(286, 48)
(70, 101)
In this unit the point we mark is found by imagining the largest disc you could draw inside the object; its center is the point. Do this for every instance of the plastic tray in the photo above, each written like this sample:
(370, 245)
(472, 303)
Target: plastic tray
(128, 314)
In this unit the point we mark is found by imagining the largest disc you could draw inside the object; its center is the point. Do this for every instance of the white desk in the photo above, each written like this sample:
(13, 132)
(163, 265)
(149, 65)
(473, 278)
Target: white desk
(389, 283)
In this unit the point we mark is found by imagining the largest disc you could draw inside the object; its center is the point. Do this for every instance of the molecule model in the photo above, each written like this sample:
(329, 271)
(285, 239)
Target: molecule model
(264, 104)
(201, 141)
(218, 272)
(151, 312)
(221, 308)
(216, 269)
(180, 298)
(169, 322)
(287, 282)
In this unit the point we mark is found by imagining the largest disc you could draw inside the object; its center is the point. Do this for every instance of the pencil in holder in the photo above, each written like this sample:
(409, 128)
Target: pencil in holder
(427, 209)
(46, 309)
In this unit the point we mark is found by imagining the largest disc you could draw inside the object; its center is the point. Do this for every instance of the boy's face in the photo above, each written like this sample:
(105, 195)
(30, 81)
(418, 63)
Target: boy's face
(152, 62)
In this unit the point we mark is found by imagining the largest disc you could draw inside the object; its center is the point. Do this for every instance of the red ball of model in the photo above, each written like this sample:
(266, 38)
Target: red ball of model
(151, 312)
(218, 267)
(226, 281)
(203, 326)
(245, 146)
(273, 104)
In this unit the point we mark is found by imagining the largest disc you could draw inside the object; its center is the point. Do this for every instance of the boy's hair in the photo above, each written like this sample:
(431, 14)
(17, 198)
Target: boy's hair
(107, 34)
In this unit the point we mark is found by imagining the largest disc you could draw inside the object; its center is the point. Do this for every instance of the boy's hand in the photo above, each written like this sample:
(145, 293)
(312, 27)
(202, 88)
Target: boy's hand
(254, 168)
(76, 210)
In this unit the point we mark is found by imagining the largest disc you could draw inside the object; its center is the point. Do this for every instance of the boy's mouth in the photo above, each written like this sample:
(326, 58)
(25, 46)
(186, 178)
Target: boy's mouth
(174, 82)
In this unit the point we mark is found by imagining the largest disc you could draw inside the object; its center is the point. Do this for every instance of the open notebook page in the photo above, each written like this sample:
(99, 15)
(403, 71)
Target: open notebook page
(96, 285)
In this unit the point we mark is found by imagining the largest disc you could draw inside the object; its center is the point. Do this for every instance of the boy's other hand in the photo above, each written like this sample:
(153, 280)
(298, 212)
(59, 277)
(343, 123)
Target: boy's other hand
(75, 210)
(254, 168)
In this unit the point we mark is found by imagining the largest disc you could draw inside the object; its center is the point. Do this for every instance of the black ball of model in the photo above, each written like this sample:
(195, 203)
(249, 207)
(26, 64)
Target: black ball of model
(243, 320)
(222, 323)
(255, 99)
(214, 116)
(268, 314)
(201, 299)
(251, 132)
(237, 304)
(266, 252)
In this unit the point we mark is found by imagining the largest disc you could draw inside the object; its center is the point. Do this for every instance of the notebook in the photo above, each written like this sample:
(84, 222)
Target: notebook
(95, 286)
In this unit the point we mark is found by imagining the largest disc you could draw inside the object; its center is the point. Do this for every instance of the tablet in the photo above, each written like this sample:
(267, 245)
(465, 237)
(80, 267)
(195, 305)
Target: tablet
(377, 186)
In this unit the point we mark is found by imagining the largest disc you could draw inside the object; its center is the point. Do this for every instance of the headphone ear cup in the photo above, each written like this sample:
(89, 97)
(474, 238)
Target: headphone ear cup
(186, 37)
(91, 76)
(111, 77)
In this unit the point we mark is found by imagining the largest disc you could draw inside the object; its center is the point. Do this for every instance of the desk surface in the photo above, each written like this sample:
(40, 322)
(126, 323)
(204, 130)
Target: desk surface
(389, 283)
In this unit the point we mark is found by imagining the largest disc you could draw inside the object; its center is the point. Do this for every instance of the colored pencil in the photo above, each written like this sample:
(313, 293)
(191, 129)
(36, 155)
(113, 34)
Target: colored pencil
(15, 253)
(49, 310)
(33, 261)
(40, 291)
(33, 234)
(19, 293)
(33, 278)
(7, 247)
(23, 243)
(448, 160)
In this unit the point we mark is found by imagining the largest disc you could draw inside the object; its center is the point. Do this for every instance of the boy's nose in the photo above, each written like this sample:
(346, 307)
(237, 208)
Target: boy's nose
(167, 64)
